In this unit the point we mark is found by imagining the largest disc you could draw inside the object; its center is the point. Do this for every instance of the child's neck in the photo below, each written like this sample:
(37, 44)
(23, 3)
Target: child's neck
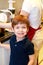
(19, 39)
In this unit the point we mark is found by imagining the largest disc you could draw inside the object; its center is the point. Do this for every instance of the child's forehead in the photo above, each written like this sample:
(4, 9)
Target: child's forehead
(21, 23)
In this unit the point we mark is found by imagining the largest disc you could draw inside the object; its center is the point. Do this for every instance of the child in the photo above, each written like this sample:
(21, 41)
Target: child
(22, 50)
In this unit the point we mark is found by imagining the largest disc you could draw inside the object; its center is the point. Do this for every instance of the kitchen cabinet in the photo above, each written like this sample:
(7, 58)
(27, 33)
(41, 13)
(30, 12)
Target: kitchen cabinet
(4, 56)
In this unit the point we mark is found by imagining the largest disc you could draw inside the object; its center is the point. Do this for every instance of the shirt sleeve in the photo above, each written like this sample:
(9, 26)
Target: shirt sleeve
(30, 49)
(28, 5)
(12, 39)
(32, 7)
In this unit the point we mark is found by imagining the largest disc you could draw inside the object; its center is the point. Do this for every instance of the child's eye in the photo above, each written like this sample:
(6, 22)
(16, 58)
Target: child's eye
(17, 27)
(23, 27)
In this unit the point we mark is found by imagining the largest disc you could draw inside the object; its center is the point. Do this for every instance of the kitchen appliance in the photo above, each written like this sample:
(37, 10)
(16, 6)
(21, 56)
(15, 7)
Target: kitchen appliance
(5, 16)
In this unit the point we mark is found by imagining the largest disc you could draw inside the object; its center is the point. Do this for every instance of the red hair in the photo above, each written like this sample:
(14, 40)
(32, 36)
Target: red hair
(20, 19)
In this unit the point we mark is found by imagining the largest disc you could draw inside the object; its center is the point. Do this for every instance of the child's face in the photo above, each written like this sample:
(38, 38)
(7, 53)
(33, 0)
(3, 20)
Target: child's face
(20, 30)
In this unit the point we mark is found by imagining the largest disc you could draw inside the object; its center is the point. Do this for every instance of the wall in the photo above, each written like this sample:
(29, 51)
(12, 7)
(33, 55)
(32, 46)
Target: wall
(17, 4)
(3, 4)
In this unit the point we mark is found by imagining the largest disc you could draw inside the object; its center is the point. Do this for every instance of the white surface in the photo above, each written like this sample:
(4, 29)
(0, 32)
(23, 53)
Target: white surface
(4, 56)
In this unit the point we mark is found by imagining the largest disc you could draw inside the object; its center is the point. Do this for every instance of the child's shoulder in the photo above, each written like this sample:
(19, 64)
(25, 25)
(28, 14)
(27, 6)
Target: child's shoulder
(29, 43)
(13, 37)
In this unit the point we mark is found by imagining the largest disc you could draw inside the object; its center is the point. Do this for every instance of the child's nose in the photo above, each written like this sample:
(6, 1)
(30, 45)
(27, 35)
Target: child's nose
(20, 29)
